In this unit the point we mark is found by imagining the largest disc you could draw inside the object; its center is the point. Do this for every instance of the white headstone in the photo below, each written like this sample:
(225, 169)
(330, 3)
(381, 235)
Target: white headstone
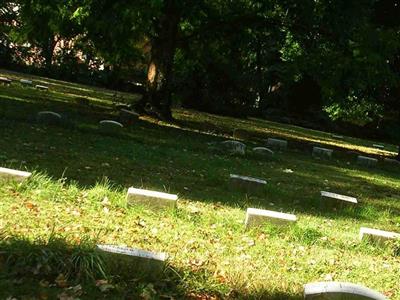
(366, 161)
(339, 291)
(152, 199)
(49, 117)
(336, 136)
(110, 127)
(5, 80)
(376, 235)
(339, 197)
(256, 217)
(378, 146)
(249, 184)
(26, 82)
(128, 260)
(41, 87)
(234, 147)
(322, 152)
(263, 151)
(10, 174)
(277, 143)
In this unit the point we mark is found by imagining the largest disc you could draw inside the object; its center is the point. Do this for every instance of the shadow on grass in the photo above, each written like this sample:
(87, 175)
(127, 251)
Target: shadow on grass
(173, 160)
(55, 267)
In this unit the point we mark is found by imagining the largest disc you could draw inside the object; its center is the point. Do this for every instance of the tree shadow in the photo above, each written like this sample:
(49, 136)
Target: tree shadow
(49, 269)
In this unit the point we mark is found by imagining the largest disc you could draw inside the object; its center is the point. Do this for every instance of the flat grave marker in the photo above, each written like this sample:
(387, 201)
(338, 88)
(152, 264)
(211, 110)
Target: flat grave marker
(257, 217)
(366, 161)
(339, 197)
(392, 161)
(5, 81)
(246, 183)
(151, 199)
(234, 147)
(110, 127)
(263, 151)
(42, 87)
(378, 146)
(337, 136)
(277, 143)
(26, 82)
(339, 291)
(49, 118)
(377, 236)
(127, 260)
(16, 175)
(322, 152)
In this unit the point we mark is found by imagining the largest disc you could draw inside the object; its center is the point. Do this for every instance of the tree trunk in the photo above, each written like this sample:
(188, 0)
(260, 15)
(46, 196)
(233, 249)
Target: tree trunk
(48, 52)
(160, 69)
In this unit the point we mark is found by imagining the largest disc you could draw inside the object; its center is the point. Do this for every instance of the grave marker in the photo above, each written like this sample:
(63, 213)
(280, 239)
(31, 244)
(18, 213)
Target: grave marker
(366, 161)
(336, 136)
(110, 127)
(256, 217)
(42, 87)
(247, 184)
(26, 82)
(262, 151)
(49, 118)
(277, 143)
(151, 199)
(322, 152)
(133, 262)
(377, 236)
(339, 291)
(5, 81)
(234, 147)
(378, 146)
(16, 175)
(340, 199)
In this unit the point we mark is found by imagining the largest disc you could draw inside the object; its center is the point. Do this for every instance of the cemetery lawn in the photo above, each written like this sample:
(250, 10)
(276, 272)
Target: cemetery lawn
(76, 198)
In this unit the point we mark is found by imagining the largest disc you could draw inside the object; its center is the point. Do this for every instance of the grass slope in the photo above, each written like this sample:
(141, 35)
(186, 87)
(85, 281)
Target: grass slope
(76, 199)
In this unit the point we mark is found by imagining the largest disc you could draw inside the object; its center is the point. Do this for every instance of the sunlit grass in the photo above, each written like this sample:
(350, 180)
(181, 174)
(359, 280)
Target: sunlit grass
(81, 177)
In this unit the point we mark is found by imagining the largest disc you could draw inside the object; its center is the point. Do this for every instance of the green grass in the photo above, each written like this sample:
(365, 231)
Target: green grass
(62, 210)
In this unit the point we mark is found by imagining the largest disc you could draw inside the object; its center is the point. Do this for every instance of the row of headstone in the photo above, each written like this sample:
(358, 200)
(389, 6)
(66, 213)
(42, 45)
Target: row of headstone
(24, 82)
(53, 118)
(124, 259)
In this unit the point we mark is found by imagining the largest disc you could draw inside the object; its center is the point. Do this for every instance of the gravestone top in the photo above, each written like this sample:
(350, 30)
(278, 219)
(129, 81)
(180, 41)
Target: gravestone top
(107, 122)
(339, 197)
(148, 193)
(234, 147)
(322, 149)
(263, 150)
(247, 178)
(378, 146)
(336, 136)
(339, 290)
(26, 81)
(41, 87)
(5, 80)
(271, 214)
(52, 113)
(12, 172)
(378, 232)
(133, 252)
(361, 157)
